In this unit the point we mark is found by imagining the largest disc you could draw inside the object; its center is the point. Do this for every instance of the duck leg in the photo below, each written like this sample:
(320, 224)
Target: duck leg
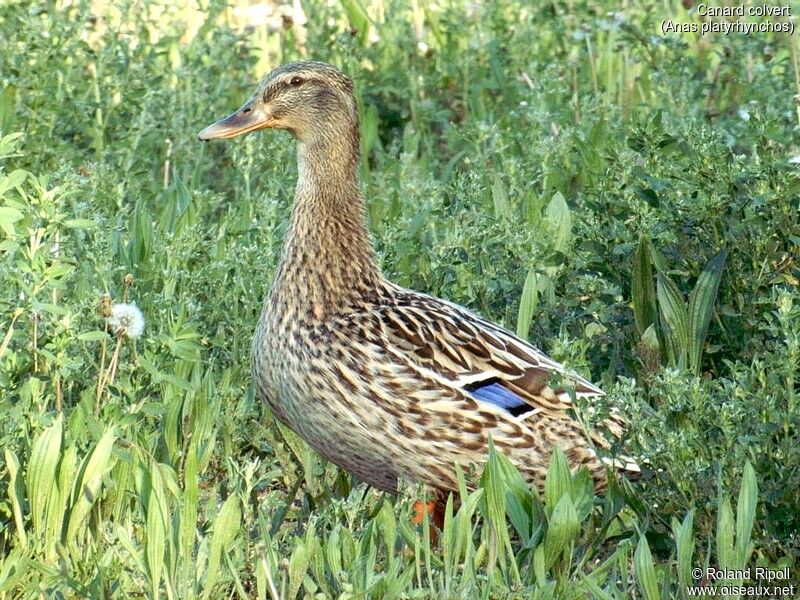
(435, 510)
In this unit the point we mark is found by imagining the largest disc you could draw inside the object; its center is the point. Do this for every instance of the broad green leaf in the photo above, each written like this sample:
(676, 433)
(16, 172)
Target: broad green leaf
(13, 180)
(659, 261)
(645, 570)
(562, 530)
(539, 569)
(176, 211)
(189, 512)
(42, 470)
(348, 547)
(701, 308)
(265, 583)
(158, 519)
(87, 486)
(462, 525)
(294, 441)
(312, 469)
(725, 534)
(142, 238)
(9, 143)
(226, 527)
(9, 216)
(80, 224)
(370, 120)
(172, 422)
(560, 221)
(582, 493)
(558, 481)
(643, 290)
(745, 514)
(528, 303)
(494, 488)
(298, 565)
(59, 501)
(388, 526)
(332, 552)
(93, 336)
(684, 543)
(519, 514)
(502, 207)
(7, 107)
(57, 271)
(498, 477)
(15, 495)
(673, 308)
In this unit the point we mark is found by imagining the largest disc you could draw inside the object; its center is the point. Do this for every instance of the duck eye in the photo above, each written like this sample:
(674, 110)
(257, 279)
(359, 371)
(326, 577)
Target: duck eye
(296, 81)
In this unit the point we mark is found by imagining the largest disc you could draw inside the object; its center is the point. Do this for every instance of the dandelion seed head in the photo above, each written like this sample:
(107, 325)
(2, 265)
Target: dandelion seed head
(127, 320)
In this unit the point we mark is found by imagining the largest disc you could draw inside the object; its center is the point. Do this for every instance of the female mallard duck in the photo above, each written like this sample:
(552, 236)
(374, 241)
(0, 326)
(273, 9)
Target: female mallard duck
(386, 382)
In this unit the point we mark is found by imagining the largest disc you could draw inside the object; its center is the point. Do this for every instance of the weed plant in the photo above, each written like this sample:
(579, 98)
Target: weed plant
(627, 201)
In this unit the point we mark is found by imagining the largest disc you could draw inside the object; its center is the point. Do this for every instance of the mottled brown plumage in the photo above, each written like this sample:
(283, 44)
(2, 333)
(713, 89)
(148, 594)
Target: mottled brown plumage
(383, 381)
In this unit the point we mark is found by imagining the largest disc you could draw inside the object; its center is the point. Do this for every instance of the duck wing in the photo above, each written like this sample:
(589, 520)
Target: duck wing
(479, 357)
(420, 355)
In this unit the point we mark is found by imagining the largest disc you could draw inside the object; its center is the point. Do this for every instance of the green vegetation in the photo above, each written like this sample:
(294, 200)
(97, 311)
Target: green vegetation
(627, 201)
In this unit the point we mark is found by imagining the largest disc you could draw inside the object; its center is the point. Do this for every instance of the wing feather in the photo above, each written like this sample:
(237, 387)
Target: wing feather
(467, 350)
(452, 362)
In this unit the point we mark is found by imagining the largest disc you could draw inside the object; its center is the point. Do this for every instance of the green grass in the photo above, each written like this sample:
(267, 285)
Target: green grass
(625, 200)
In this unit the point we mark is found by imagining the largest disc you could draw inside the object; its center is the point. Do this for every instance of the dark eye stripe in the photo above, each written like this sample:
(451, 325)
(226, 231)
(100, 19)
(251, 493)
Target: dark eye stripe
(271, 91)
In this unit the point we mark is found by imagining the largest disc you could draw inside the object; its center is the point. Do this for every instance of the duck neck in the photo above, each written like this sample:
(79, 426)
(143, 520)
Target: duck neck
(328, 261)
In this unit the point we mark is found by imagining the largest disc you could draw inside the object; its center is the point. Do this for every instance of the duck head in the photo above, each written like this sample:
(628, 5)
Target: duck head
(312, 100)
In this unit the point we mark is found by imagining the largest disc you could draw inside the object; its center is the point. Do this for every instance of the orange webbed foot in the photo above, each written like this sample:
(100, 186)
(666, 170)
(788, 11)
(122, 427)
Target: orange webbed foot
(435, 511)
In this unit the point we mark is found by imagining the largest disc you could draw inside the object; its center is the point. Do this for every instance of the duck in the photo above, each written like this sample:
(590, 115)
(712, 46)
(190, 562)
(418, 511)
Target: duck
(388, 383)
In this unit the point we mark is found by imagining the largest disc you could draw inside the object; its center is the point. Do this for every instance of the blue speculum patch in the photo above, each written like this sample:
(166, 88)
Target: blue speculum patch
(495, 393)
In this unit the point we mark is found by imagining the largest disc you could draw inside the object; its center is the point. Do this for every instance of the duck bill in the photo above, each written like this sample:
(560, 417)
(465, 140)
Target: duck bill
(244, 120)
